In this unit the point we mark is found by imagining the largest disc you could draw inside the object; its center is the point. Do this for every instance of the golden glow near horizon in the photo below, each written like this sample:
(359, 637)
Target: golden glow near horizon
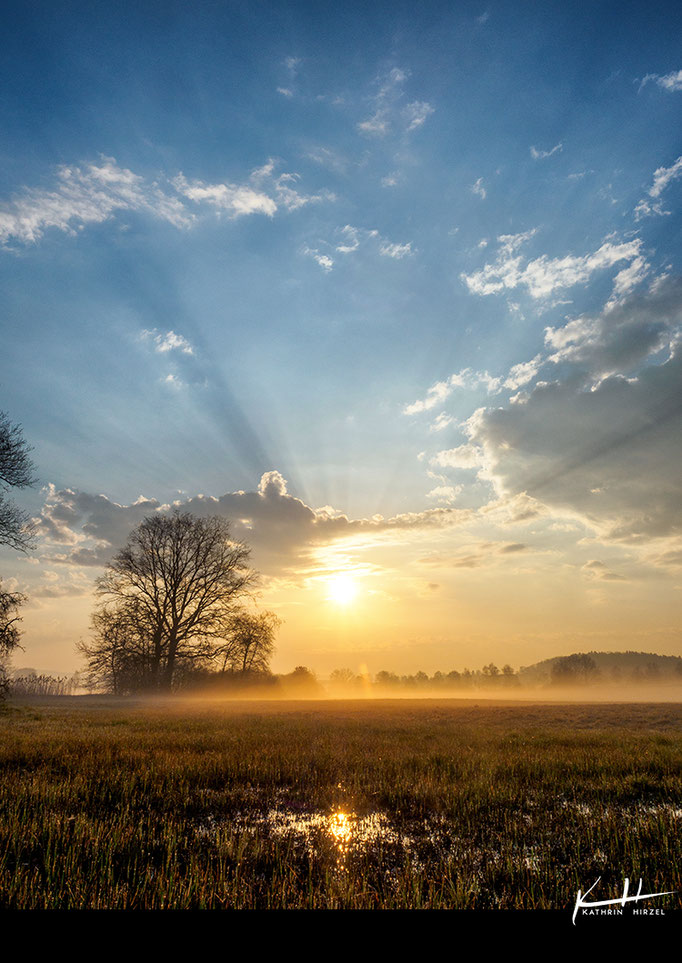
(342, 589)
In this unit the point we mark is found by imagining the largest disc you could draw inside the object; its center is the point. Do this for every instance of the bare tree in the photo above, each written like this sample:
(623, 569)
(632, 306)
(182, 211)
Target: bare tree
(9, 619)
(16, 530)
(16, 471)
(250, 642)
(168, 598)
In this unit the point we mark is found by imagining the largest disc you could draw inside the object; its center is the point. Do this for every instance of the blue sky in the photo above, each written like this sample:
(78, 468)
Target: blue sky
(418, 261)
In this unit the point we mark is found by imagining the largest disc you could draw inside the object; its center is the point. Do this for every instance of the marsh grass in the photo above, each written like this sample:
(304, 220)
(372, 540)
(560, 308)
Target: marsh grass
(378, 804)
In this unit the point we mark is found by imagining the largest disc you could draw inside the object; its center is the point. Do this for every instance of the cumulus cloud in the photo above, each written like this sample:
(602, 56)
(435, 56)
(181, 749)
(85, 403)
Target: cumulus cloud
(599, 444)
(653, 204)
(86, 195)
(445, 493)
(543, 276)
(622, 336)
(170, 341)
(464, 456)
(607, 453)
(520, 374)
(86, 530)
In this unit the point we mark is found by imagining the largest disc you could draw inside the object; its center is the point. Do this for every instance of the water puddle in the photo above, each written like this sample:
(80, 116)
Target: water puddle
(345, 832)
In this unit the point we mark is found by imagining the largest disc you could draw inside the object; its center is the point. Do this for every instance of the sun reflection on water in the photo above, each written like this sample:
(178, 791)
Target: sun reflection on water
(340, 826)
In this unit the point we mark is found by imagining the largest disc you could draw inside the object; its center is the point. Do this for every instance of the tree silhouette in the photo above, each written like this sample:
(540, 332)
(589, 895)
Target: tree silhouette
(16, 530)
(250, 642)
(16, 471)
(170, 599)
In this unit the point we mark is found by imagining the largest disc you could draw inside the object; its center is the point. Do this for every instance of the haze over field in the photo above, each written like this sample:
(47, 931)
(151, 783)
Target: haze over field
(395, 291)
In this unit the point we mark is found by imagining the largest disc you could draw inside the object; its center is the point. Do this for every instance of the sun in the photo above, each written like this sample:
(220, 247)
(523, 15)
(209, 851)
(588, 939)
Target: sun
(342, 589)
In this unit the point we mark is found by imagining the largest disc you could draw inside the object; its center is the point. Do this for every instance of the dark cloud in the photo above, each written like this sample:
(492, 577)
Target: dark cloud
(278, 527)
(622, 336)
(611, 454)
(603, 440)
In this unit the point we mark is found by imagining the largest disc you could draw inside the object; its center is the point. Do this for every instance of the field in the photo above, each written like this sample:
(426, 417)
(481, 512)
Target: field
(358, 804)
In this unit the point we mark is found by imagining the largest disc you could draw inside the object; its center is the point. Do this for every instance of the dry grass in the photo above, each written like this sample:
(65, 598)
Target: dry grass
(358, 804)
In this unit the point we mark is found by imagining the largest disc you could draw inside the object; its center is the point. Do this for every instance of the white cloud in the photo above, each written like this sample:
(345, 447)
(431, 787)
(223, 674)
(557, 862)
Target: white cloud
(521, 374)
(464, 456)
(416, 113)
(438, 392)
(386, 114)
(285, 92)
(236, 200)
(86, 195)
(671, 82)
(542, 276)
(325, 262)
(434, 396)
(630, 277)
(442, 421)
(377, 125)
(479, 189)
(95, 192)
(170, 341)
(352, 238)
(445, 493)
(622, 336)
(397, 251)
(542, 154)
(662, 177)
(263, 195)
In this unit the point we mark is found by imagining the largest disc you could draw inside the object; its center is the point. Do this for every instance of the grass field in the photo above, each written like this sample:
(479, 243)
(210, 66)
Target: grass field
(357, 804)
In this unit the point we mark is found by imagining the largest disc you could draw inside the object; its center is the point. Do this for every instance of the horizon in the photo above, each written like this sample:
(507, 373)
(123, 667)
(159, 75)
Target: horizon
(398, 293)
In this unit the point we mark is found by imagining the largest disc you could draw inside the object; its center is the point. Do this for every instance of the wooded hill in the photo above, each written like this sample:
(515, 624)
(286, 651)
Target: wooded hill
(606, 667)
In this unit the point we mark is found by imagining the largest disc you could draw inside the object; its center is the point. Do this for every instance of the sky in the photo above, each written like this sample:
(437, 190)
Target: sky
(394, 288)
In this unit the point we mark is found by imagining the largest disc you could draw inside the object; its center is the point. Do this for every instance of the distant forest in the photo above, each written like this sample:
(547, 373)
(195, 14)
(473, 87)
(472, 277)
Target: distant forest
(579, 670)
